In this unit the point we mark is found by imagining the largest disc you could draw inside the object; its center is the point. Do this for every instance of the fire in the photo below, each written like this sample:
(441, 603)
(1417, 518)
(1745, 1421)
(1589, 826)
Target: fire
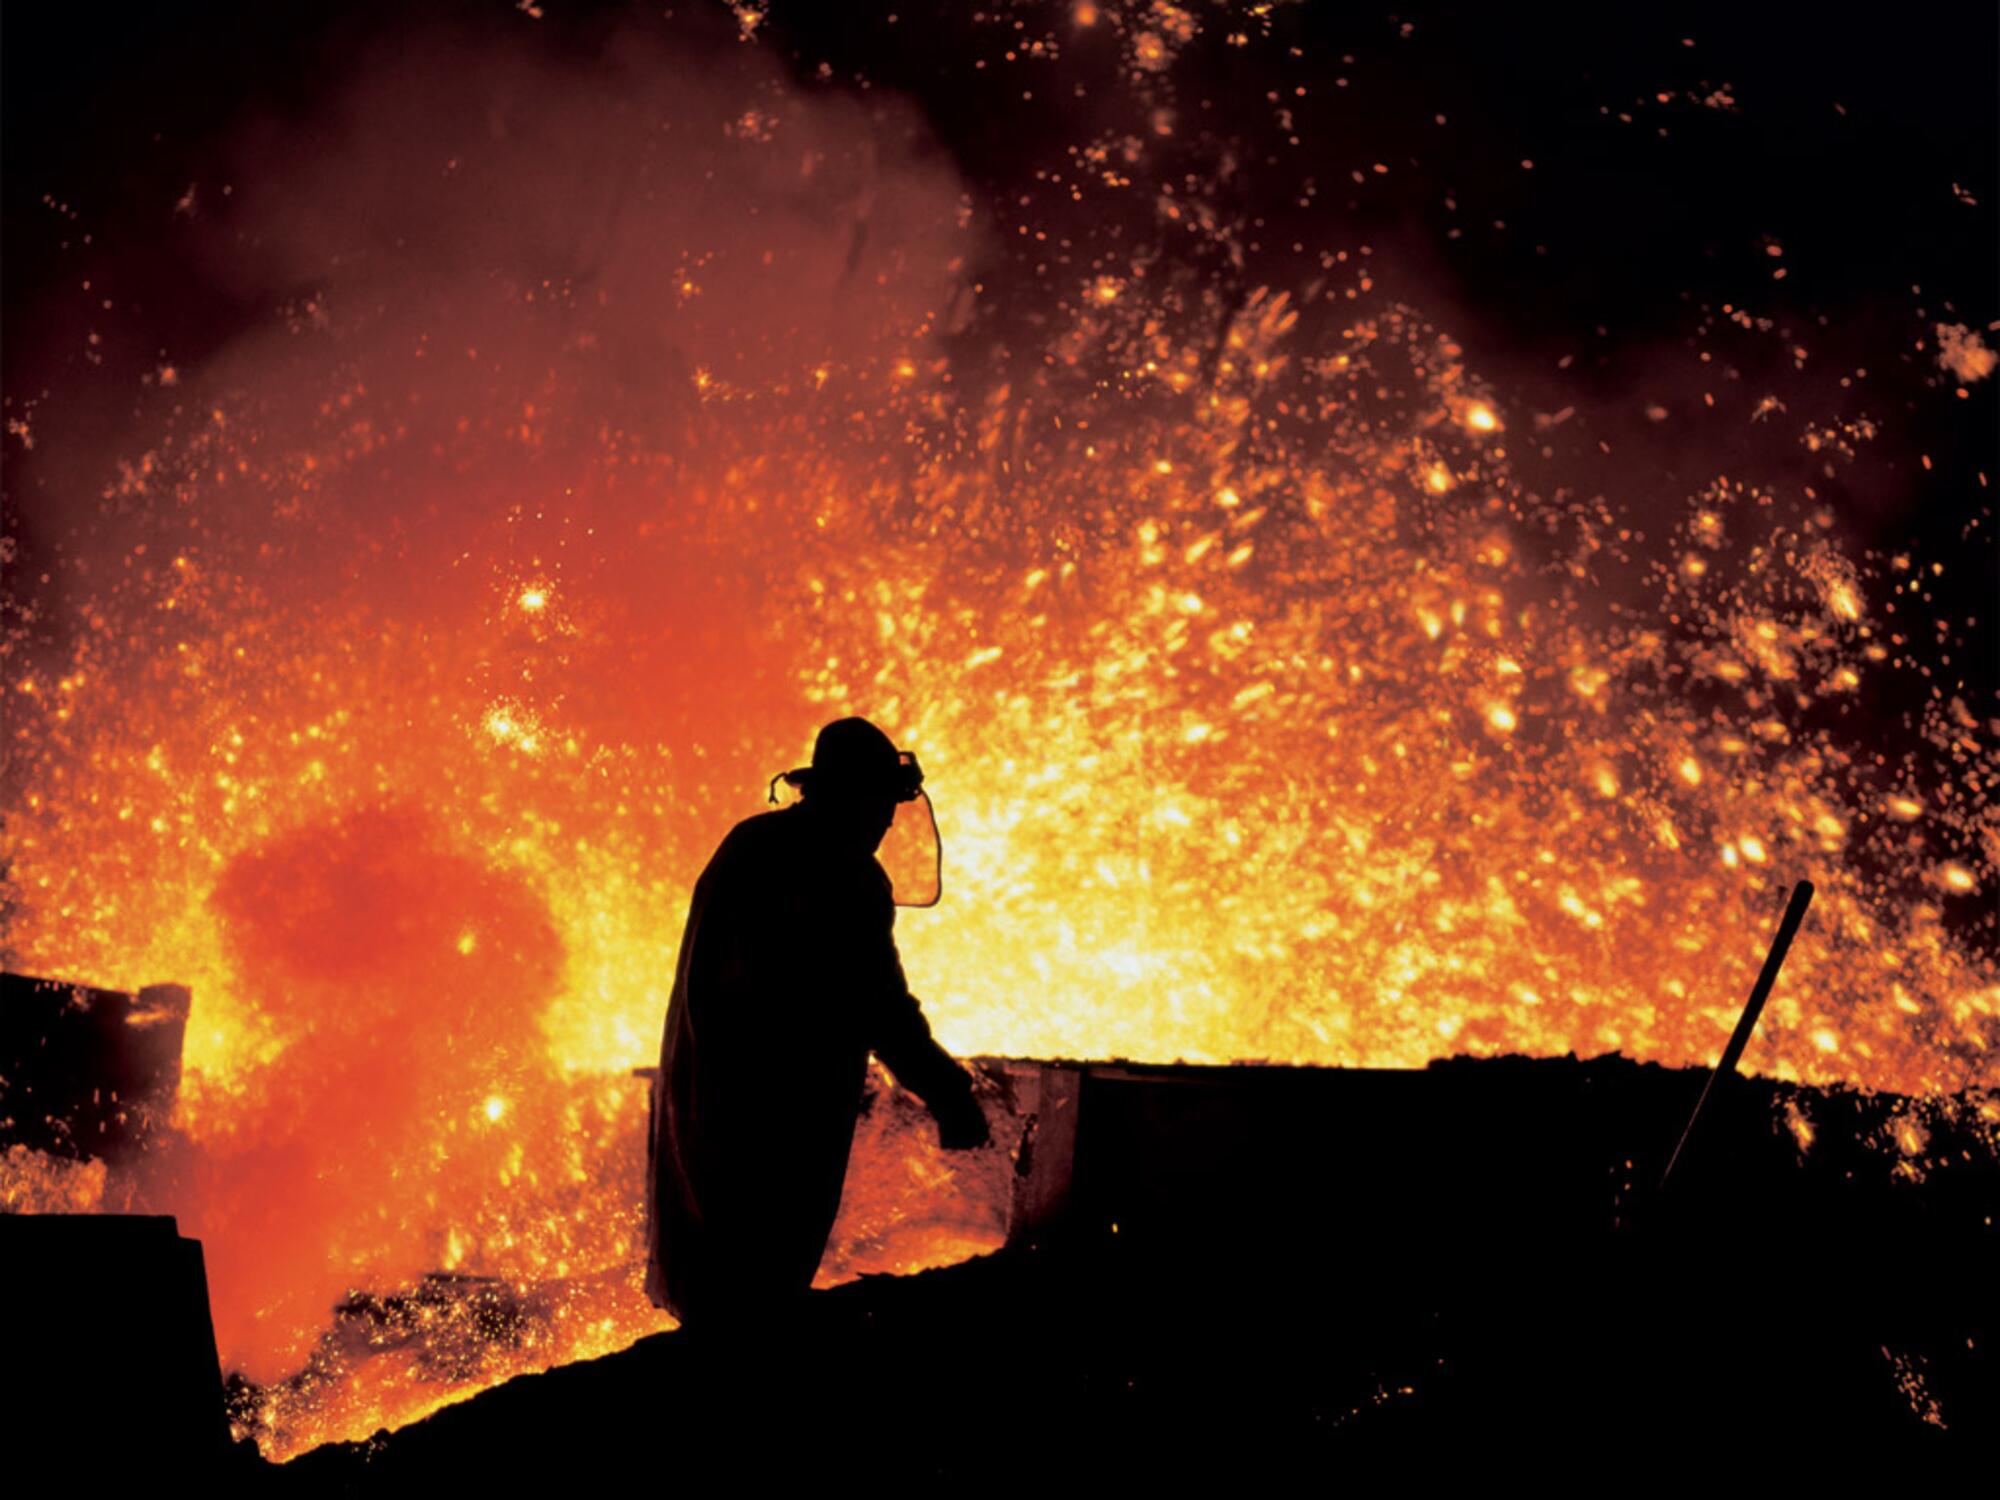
(1957, 879)
(1269, 716)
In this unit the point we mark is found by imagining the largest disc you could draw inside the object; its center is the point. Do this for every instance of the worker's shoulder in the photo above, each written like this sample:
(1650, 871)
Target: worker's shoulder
(762, 846)
(760, 834)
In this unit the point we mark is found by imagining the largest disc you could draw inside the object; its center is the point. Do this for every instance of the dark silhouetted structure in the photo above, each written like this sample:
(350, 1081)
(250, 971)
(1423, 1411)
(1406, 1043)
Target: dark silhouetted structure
(88, 1073)
(1249, 1276)
(108, 1361)
(788, 978)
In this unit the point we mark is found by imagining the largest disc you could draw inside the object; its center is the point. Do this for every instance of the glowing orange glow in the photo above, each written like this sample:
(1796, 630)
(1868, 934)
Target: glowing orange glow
(1267, 714)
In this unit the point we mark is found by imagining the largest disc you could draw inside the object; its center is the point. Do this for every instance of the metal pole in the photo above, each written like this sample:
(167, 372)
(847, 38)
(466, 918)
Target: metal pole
(1788, 927)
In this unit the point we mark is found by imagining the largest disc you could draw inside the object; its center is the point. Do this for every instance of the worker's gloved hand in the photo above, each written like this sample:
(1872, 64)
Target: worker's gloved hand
(961, 1123)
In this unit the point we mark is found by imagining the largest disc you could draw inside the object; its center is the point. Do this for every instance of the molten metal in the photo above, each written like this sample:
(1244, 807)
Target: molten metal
(431, 638)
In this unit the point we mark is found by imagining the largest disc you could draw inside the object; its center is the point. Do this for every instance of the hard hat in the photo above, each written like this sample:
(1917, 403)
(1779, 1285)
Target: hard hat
(852, 756)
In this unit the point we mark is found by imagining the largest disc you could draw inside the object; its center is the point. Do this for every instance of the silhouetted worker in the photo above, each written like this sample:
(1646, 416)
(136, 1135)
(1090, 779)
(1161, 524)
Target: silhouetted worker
(788, 978)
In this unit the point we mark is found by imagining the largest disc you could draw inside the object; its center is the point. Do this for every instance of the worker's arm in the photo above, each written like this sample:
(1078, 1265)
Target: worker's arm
(900, 1035)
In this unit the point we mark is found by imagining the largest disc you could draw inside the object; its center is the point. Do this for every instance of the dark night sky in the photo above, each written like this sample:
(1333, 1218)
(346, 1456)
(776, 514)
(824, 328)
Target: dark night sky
(1845, 146)
(1846, 140)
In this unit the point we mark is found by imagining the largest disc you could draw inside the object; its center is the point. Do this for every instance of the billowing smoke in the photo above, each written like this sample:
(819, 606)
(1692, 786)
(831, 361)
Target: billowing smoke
(476, 458)
(600, 421)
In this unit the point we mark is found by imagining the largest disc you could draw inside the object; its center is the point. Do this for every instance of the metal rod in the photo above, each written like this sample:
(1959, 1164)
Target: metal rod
(1788, 927)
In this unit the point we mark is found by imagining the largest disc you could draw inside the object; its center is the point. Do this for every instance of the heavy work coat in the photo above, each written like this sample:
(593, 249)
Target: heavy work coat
(788, 977)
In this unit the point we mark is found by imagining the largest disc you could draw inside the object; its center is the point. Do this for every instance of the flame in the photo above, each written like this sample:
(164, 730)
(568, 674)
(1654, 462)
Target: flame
(1269, 716)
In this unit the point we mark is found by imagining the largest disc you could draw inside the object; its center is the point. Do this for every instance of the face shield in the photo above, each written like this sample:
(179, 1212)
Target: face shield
(911, 853)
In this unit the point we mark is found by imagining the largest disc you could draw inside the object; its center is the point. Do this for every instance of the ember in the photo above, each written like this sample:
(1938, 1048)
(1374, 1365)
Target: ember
(606, 422)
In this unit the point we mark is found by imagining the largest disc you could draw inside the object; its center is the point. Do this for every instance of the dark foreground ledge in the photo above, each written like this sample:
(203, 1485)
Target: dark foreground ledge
(1268, 1275)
